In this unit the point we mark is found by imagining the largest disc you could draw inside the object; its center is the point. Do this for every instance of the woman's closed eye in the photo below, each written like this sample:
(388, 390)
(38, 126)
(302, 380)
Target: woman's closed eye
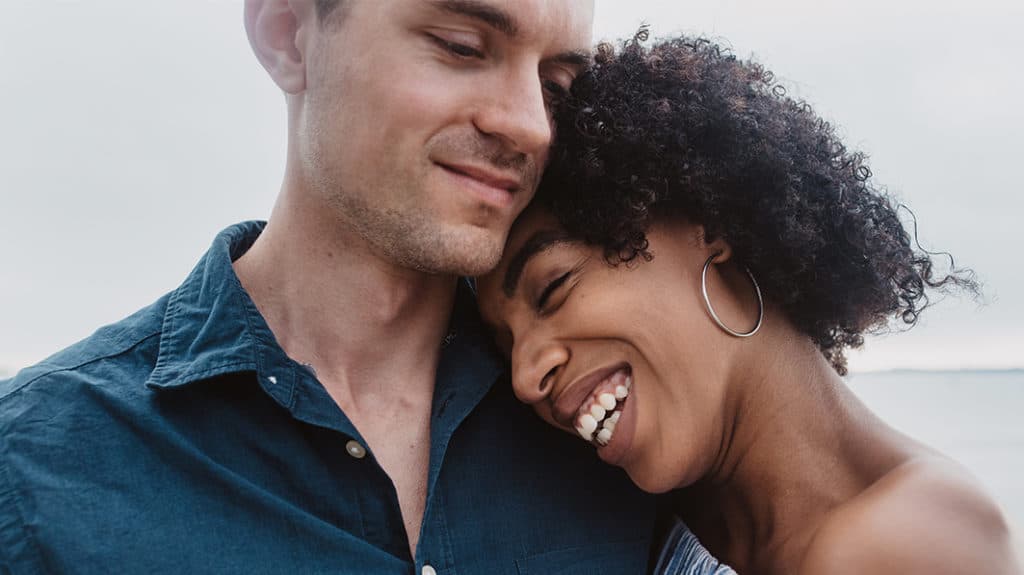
(555, 292)
(545, 294)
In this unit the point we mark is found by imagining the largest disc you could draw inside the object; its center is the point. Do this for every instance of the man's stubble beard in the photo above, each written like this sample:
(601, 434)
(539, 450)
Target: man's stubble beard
(416, 240)
(407, 233)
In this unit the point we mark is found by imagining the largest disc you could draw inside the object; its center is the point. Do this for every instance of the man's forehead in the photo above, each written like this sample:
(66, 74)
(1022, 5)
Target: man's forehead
(572, 21)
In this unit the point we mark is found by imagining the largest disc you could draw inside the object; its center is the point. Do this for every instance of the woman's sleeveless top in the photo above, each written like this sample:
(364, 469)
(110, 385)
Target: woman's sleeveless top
(683, 554)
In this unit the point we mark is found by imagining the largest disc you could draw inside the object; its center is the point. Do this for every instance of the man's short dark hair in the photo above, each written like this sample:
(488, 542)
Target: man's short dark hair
(324, 8)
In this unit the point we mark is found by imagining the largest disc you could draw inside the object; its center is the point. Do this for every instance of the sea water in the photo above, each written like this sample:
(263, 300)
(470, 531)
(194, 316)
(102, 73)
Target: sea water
(975, 417)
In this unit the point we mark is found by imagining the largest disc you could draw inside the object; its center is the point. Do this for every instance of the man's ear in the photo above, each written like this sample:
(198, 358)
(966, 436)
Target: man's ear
(277, 30)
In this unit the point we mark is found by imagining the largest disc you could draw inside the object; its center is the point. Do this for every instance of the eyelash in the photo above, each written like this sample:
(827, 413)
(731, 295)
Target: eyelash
(456, 49)
(550, 289)
(557, 90)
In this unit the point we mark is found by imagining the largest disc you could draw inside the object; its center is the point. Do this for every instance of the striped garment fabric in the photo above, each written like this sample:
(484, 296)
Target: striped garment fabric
(683, 554)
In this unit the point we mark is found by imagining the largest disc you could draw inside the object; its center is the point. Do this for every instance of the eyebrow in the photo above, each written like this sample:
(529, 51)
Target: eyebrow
(536, 244)
(505, 23)
(494, 17)
(573, 58)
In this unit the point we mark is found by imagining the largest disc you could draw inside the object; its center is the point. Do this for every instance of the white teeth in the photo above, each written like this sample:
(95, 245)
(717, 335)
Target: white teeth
(602, 411)
(612, 421)
(588, 424)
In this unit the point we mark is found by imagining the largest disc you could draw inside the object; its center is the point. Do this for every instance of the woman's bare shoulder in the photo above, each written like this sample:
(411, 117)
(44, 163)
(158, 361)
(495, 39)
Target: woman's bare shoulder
(927, 516)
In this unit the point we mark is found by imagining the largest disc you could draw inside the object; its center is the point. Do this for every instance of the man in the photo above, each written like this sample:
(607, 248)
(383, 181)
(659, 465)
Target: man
(318, 396)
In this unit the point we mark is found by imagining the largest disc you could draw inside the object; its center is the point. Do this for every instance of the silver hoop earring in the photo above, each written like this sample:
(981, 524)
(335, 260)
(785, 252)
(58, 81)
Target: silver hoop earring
(711, 310)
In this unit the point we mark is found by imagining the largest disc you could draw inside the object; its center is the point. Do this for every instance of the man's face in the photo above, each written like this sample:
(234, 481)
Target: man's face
(425, 124)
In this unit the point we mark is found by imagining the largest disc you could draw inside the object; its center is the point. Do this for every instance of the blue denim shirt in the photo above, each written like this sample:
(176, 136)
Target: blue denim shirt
(183, 440)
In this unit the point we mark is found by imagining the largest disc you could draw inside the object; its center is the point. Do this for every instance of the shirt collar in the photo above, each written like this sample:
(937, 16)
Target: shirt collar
(212, 327)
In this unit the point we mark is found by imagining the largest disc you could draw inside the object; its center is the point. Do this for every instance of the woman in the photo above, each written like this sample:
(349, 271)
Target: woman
(700, 256)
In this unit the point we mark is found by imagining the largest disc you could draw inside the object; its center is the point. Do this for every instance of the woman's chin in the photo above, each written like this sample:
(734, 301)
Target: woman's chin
(623, 450)
(651, 474)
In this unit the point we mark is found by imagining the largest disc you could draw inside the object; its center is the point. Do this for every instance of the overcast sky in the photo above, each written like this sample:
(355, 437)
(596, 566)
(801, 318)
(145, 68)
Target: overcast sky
(132, 131)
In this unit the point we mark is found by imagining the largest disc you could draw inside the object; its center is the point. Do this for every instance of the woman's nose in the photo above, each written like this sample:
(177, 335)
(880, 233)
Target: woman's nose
(535, 366)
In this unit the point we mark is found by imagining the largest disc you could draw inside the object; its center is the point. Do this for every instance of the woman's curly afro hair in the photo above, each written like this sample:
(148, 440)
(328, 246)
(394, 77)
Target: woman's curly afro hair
(684, 129)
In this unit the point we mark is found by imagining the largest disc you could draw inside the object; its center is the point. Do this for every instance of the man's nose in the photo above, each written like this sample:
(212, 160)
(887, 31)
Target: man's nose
(517, 113)
(536, 364)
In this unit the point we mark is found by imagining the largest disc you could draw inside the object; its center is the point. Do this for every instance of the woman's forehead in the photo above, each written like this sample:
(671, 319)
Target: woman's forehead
(533, 221)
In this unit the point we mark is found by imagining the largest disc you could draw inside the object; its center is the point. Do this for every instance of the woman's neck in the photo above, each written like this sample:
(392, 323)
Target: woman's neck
(799, 445)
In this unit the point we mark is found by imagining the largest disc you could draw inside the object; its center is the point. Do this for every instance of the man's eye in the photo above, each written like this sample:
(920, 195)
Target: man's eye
(556, 92)
(457, 49)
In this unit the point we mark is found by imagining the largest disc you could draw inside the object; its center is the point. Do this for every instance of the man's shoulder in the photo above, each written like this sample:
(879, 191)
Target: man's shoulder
(102, 358)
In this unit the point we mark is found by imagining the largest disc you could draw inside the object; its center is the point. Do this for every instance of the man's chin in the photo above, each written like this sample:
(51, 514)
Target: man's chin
(478, 265)
(470, 255)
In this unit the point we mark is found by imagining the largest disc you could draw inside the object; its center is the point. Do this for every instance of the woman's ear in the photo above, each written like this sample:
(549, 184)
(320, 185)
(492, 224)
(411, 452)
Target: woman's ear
(276, 32)
(717, 247)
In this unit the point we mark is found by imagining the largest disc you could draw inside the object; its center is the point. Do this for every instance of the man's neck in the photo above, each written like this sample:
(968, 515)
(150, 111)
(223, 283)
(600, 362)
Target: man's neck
(371, 330)
(336, 306)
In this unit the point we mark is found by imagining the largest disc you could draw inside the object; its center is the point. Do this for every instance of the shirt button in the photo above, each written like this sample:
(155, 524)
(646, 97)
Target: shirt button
(355, 450)
(428, 570)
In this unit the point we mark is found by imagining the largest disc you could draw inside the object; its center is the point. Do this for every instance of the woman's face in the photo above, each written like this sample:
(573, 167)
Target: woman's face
(624, 357)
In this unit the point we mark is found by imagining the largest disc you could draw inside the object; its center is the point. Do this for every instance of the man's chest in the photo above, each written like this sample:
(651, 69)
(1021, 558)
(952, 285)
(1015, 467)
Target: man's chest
(223, 483)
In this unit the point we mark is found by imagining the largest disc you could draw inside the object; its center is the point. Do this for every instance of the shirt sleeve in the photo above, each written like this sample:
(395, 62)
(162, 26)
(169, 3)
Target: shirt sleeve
(15, 544)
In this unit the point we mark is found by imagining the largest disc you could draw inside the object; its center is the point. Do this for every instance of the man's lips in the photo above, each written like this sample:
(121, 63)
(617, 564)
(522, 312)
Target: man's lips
(567, 403)
(510, 182)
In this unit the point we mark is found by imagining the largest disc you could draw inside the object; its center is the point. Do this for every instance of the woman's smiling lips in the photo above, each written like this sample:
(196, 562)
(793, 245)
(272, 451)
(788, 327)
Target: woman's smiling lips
(598, 407)
(566, 405)
(615, 449)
